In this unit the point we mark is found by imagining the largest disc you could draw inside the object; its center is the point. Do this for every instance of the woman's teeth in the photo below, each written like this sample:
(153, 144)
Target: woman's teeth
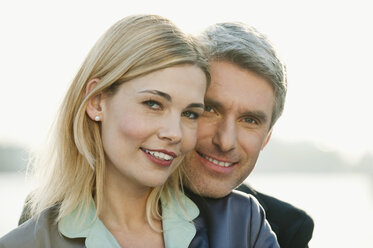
(159, 155)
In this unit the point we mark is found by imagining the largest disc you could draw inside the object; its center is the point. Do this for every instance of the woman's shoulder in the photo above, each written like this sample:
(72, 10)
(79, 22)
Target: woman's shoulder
(32, 232)
(36, 232)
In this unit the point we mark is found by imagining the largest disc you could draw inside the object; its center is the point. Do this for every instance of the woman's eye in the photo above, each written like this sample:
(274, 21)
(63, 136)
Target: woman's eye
(152, 104)
(190, 115)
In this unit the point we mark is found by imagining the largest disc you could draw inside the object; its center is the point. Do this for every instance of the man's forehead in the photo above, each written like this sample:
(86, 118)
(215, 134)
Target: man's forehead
(240, 106)
(242, 90)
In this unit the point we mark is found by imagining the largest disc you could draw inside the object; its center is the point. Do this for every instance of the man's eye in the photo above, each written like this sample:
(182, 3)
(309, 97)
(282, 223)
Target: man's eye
(209, 109)
(152, 104)
(190, 115)
(250, 120)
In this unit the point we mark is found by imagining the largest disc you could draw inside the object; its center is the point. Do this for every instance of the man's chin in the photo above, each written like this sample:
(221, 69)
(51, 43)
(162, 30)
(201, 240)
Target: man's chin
(199, 182)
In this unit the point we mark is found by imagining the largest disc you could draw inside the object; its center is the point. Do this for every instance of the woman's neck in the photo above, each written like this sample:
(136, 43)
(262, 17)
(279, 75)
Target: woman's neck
(124, 214)
(124, 205)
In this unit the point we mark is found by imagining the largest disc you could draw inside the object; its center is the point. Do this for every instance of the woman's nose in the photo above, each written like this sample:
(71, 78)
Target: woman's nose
(171, 129)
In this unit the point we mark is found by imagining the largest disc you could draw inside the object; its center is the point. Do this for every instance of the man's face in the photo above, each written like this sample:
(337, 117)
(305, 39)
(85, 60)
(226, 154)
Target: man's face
(232, 130)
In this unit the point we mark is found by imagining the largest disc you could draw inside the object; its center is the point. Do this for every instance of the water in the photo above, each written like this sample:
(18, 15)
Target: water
(13, 192)
(340, 204)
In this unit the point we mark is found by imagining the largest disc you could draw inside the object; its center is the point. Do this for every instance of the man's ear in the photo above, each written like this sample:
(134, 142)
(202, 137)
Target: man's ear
(269, 134)
(93, 108)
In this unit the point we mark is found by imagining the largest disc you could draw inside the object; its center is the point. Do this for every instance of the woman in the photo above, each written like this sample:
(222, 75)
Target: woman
(110, 177)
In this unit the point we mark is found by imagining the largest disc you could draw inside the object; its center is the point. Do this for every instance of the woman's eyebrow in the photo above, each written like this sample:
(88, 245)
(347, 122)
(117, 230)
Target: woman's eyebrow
(159, 93)
(169, 98)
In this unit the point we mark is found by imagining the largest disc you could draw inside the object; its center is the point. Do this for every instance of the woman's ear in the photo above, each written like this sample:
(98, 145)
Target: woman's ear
(93, 109)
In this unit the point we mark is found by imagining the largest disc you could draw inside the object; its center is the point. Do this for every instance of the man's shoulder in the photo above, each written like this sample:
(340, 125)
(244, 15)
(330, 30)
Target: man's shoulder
(233, 202)
(237, 196)
(275, 208)
(268, 201)
(291, 224)
(241, 201)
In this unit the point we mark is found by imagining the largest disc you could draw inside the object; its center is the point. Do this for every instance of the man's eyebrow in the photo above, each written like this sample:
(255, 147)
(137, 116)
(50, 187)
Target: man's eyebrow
(159, 93)
(213, 103)
(260, 115)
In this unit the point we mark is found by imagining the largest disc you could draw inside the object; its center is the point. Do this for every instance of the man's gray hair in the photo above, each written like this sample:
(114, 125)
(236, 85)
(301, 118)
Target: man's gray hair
(245, 47)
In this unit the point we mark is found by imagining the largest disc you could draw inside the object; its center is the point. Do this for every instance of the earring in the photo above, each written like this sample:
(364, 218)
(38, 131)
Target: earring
(97, 118)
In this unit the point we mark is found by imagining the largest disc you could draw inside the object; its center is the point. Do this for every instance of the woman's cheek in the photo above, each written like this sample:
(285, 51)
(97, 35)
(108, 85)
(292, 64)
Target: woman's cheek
(189, 140)
(135, 127)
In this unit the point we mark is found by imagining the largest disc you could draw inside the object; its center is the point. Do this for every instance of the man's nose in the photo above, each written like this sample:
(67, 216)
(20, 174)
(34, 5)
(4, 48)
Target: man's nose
(226, 135)
(171, 129)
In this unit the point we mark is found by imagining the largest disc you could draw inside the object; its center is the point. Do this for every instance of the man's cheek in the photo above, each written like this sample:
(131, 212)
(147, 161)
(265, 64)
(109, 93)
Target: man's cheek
(205, 129)
(250, 146)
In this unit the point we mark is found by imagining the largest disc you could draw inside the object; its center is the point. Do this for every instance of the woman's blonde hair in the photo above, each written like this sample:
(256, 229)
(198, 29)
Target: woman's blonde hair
(73, 167)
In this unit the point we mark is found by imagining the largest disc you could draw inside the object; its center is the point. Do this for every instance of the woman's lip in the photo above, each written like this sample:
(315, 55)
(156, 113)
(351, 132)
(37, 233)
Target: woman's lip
(172, 154)
(157, 161)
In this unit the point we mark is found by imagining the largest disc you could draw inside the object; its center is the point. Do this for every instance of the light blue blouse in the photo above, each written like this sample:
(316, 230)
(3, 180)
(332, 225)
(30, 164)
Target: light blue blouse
(178, 228)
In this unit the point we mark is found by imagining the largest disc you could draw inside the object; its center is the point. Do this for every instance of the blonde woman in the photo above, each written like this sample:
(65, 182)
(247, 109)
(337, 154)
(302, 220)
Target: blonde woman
(111, 176)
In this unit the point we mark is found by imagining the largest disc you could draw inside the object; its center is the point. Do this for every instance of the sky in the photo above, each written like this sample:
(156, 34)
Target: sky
(326, 45)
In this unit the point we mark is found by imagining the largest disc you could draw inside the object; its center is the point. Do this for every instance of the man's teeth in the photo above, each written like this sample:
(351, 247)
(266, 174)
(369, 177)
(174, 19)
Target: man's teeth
(219, 163)
(160, 155)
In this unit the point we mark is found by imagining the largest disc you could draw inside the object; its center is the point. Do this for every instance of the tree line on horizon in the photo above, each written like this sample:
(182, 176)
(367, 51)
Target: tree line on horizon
(277, 157)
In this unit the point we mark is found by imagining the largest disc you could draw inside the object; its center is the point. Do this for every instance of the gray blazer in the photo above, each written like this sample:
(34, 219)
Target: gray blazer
(38, 233)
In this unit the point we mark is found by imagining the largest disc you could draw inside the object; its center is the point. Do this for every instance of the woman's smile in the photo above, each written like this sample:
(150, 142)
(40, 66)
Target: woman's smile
(160, 157)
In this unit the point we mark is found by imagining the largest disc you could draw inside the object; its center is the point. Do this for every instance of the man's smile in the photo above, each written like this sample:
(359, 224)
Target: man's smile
(216, 161)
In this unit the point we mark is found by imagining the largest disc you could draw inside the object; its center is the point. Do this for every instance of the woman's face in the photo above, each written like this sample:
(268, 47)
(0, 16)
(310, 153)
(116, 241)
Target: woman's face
(150, 123)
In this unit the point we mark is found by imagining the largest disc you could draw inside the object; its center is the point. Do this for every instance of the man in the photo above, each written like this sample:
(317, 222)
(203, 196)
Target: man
(244, 101)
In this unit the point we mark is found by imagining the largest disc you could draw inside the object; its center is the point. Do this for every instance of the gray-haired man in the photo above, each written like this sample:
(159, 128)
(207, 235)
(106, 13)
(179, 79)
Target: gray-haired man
(244, 101)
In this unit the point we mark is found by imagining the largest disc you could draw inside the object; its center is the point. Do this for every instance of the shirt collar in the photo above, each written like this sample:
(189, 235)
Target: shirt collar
(177, 222)
(76, 225)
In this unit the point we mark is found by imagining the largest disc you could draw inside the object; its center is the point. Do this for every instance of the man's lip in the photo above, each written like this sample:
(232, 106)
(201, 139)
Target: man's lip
(218, 159)
(213, 165)
(172, 154)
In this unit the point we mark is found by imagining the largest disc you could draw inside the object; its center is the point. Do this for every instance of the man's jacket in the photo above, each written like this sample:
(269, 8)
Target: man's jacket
(292, 225)
(236, 221)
